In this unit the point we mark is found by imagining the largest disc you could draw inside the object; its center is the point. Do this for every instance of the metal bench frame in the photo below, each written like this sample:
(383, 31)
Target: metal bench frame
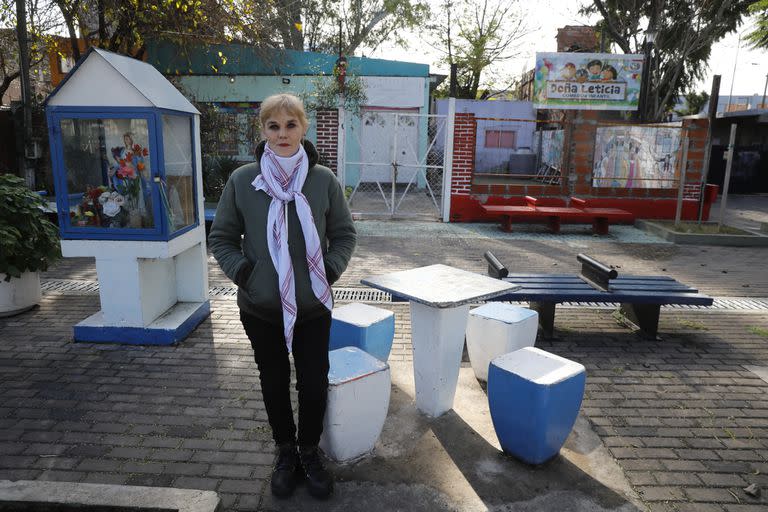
(639, 297)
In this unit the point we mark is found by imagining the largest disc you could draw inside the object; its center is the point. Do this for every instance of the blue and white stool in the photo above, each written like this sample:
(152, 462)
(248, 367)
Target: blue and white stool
(534, 398)
(358, 401)
(498, 328)
(366, 327)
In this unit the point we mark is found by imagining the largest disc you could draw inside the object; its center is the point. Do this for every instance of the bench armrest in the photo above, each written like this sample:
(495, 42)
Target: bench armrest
(578, 203)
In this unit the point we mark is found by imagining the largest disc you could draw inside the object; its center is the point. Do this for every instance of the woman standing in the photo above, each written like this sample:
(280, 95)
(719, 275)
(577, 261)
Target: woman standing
(283, 233)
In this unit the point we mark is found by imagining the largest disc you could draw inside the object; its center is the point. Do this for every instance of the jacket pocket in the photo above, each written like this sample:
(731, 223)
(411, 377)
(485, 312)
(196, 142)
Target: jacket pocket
(261, 285)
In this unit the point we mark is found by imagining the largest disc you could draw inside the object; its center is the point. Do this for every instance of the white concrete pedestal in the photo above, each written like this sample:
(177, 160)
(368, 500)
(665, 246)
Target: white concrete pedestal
(152, 293)
(440, 296)
(437, 335)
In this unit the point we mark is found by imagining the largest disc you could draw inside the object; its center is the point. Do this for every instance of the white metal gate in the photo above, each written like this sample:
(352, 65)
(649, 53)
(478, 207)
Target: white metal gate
(395, 163)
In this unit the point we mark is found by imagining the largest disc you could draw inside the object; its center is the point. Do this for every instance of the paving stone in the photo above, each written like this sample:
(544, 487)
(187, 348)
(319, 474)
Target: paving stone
(660, 493)
(722, 480)
(240, 486)
(229, 471)
(710, 495)
(676, 478)
(204, 484)
(61, 476)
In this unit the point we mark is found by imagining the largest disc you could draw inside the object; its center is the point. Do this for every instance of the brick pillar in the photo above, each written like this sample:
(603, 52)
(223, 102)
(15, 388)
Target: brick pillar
(464, 137)
(696, 129)
(581, 134)
(328, 138)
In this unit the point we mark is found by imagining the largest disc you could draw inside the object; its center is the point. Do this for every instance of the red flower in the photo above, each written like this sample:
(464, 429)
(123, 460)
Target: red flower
(145, 152)
(136, 148)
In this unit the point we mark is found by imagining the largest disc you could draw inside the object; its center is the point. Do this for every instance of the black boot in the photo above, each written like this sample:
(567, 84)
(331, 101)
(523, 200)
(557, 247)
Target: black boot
(287, 468)
(319, 480)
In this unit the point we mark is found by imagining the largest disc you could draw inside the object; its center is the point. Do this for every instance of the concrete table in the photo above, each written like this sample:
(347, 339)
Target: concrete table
(440, 297)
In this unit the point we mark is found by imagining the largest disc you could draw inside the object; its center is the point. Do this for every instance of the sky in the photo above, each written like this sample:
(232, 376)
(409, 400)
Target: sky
(546, 16)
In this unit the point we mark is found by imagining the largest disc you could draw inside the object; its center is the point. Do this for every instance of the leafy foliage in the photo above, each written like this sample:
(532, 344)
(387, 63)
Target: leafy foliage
(42, 20)
(694, 101)
(216, 172)
(474, 36)
(758, 38)
(328, 93)
(363, 23)
(28, 241)
(685, 32)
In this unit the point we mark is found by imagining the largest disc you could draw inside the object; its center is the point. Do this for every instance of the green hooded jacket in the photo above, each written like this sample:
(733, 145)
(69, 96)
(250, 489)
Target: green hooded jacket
(238, 238)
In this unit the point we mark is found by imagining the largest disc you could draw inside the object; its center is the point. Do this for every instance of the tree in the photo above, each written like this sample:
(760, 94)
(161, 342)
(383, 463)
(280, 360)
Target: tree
(685, 32)
(125, 26)
(362, 23)
(758, 38)
(41, 20)
(694, 103)
(474, 36)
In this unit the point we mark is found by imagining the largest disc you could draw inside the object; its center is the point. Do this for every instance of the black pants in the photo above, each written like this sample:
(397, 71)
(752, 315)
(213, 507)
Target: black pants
(310, 357)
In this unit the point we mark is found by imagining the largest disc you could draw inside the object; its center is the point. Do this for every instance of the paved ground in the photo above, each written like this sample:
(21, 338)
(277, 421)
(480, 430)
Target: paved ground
(677, 424)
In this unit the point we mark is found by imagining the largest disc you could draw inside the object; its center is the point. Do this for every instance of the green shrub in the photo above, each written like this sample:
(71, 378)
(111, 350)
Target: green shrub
(216, 172)
(28, 241)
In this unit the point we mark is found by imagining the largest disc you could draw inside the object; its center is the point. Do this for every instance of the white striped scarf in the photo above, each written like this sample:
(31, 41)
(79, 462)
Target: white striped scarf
(284, 186)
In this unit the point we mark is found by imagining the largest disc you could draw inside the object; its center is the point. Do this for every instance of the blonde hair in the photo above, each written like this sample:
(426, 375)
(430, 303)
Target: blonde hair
(287, 103)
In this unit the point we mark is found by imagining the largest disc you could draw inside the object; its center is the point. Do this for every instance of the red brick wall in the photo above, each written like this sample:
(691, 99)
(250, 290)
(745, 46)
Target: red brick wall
(584, 127)
(577, 38)
(328, 137)
(466, 198)
(464, 137)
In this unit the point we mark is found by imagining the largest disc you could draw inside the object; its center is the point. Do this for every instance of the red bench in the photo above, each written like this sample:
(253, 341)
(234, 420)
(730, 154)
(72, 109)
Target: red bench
(553, 215)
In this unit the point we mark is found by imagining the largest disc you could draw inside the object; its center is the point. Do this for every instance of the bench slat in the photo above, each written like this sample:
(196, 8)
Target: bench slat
(677, 288)
(573, 277)
(591, 295)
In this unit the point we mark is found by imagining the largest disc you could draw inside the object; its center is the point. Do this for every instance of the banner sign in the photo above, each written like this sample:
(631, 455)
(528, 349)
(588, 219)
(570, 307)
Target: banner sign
(587, 81)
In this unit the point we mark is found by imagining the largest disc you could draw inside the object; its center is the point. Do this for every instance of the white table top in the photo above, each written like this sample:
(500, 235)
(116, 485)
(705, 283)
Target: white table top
(440, 286)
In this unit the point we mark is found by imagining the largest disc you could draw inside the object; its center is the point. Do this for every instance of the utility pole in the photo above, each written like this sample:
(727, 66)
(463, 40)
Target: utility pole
(714, 99)
(762, 104)
(27, 171)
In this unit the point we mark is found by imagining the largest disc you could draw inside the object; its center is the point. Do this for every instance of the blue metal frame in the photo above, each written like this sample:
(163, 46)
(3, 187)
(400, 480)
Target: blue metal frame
(193, 148)
(153, 116)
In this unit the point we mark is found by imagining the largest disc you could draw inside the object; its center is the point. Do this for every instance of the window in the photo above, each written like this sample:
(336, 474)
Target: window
(500, 139)
(66, 63)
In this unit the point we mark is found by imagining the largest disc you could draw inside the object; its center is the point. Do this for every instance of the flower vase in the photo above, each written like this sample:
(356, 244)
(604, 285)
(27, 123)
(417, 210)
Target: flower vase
(134, 214)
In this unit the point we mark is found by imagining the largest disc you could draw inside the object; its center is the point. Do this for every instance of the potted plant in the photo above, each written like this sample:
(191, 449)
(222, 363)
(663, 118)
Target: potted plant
(28, 244)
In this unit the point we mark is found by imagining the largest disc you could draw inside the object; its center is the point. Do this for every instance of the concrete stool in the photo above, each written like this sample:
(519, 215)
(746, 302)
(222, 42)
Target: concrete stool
(497, 328)
(366, 327)
(358, 401)
(534, 398)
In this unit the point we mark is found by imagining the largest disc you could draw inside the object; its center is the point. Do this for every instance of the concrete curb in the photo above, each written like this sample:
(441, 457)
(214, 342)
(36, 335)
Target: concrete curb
(101, 495)
(749, 240)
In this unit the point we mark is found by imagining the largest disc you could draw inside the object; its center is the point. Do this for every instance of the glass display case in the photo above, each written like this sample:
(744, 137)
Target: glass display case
(125, 175)
(125, 151)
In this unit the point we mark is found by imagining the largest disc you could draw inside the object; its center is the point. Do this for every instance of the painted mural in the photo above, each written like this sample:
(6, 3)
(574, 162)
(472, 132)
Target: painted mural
(587, 81)
(636, 157)
(551, 147)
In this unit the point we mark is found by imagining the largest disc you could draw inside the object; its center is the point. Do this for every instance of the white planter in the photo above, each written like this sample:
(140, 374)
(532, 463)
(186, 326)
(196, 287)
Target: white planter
(19, 294)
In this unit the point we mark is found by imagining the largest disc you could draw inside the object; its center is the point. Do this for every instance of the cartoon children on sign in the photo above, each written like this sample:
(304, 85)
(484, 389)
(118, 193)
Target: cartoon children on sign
(595, 71)
(595, 67)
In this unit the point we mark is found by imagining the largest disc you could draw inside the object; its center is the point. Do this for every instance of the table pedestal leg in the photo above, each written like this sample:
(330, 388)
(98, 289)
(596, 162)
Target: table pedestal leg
(437, 336)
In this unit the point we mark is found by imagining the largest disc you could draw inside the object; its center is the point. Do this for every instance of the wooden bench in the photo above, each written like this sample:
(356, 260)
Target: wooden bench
(639, 297)
(554, 215)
